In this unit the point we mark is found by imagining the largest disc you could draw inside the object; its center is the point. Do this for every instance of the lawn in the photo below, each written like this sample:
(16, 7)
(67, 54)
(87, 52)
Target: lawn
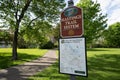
(24, 55)
(103, 64)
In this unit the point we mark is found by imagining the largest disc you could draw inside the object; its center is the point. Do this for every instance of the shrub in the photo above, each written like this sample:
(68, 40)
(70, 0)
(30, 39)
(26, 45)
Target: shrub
(48, 45)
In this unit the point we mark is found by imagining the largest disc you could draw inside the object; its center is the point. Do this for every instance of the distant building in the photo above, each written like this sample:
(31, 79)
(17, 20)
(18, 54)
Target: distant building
(4, 45)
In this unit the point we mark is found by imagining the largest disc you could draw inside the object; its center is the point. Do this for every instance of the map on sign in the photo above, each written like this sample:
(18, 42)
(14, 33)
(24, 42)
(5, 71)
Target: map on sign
(72, 56)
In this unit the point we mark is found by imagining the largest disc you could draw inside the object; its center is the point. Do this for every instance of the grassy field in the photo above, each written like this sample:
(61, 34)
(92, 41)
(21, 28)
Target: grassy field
(103, 64)
(24, 55)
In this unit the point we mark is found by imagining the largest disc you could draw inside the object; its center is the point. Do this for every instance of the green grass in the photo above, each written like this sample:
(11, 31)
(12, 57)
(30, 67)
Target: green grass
(24, 55)
(103, 64)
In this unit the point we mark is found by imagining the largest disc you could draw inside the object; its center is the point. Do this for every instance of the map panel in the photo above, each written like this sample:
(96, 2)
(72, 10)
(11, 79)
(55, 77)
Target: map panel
(72, 56)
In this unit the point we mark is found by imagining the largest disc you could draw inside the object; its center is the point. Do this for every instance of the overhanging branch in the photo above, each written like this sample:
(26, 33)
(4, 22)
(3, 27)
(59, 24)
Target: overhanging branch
(33, 20)
(24, 10)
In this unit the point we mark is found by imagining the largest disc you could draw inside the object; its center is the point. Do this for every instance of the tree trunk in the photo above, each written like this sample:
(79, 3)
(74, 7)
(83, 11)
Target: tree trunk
(14, 49)
(18, 20)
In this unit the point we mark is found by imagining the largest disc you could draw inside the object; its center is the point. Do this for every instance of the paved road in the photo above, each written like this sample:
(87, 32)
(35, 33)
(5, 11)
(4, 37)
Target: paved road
(22, 72)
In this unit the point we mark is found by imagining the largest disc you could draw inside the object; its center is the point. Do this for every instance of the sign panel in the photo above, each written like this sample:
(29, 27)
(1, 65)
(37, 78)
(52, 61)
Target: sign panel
(71, 22)
(73, 56)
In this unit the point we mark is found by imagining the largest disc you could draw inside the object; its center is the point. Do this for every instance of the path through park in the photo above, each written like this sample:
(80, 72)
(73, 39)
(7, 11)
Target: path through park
(22, 72)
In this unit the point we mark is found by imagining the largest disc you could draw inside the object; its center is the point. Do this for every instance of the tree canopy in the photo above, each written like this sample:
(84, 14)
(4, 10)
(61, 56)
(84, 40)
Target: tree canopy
(5, 36)
(94, 20)
(112, 35)
(24, 13)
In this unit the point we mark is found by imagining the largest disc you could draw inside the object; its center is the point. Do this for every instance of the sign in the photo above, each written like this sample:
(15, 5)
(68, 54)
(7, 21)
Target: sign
(73, 56)
(71, 22)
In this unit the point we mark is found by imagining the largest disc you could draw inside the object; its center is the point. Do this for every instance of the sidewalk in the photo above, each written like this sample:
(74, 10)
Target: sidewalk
(22, 72)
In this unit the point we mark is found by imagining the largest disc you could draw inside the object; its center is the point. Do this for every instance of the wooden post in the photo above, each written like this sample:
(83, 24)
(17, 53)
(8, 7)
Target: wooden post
(72, 77)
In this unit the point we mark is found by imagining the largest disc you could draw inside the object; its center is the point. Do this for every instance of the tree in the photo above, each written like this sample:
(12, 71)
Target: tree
(5, 36)
(94, 20)
(36, 34)
(56, 31)
(112, 35)
(17, 13)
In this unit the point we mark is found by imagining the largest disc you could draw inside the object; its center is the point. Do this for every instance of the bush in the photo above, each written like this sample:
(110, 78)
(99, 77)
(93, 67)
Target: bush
(48, 45)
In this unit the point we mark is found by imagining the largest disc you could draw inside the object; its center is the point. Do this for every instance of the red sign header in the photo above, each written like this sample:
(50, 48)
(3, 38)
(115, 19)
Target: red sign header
(71, 22)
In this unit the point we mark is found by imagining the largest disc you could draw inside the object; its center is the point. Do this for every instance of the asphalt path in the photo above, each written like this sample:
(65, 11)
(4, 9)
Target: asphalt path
(22, 72)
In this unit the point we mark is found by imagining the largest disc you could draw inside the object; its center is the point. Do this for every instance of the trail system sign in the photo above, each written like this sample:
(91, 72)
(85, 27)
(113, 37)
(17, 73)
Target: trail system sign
(73, 56)
(71, 22)
(72, 44)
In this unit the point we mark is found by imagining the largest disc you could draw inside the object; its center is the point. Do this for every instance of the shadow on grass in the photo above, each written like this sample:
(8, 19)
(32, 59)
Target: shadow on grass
(51, 73)
(103, 67)
(100, 67)
(97, 49)
(6, 59)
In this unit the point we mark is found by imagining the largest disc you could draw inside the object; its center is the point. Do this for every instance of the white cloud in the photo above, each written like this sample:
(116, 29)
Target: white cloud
(104, 4)
(115, 17)
(112, 9)
(109, 7)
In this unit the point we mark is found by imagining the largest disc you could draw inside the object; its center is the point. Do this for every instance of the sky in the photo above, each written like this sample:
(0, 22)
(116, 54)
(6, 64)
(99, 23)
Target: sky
(109, 7)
